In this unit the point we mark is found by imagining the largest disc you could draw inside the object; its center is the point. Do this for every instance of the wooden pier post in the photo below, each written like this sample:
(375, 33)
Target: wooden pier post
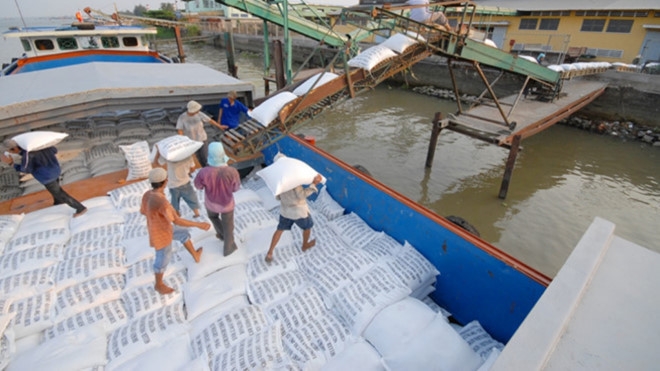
(435, 133)
(510, 162)
(278, 59)
(179, 44)
(231, 61)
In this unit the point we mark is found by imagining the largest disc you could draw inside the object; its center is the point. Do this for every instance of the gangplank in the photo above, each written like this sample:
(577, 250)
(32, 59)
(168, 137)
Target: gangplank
(545, 97)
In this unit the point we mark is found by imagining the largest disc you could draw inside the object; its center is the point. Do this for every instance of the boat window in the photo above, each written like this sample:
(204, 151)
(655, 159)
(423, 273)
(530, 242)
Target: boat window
(26, 45)
(91, 42)
(110, 42)
(130, 41)
(44, 44)
(67, 43)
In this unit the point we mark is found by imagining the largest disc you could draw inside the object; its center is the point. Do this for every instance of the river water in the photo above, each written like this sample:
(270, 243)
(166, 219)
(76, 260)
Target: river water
(563, 177)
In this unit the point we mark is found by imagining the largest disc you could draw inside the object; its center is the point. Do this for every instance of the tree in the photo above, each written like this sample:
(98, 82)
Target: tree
(139, 10)
(167, 7)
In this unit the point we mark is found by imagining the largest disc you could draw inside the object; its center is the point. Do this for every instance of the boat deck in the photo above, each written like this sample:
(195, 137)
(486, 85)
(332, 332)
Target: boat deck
(599, 312)
(43, 98)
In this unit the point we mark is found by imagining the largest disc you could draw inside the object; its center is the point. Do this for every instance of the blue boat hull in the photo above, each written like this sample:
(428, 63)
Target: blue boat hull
(476, 282)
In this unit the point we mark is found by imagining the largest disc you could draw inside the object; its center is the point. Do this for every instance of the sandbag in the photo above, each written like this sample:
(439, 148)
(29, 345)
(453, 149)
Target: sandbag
(268, 110)
(177, 147)
(38, 140)
(286, 174)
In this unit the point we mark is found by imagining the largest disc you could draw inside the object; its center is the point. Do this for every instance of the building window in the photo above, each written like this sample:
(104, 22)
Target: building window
(619, 26)
(608, 53)
(593, 25)
(549, 24)
(67, 43)
(528, 23)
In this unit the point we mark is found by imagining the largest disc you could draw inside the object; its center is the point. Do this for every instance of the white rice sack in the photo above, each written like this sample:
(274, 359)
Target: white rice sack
(28, 343)
(136, 244)
(70, 272)
(213, 259)
(30, 259)
(88, 294)
(490, 42)
(321, 339)
(229, 329)
(278, 287)
(262, 351)
(33, 314)
(53, 217)
(399, 42)
(316, 81)
(102, 214)
(249, 218)
(436, 347)
(258, 243)
(383, 248)
(423, 291)
(556, 68)
(177, 147)
(117, 195)
(435, 307)
(327, 205)
(137, 157)
(37, 140)
(209, 317)
(144, 299)
(283, 261)
(268, 200)
(330, 278)
(7, 339)
(354, 231)
(253, 182)
(145, 333)
(214, 289)
(246, 195)
(286, 174)
(412, 269)
(78, 350)
(197, 364)
(528, 58)
(268, 110)
(28, 283)
(142, 272)
(314, 260)
(479, 340)
(398, 324)
(490, 361)
(102, 236)
(174, 354)
(57, 236)
(371, 57)
(302, 307)
(110, 316)
(8, 226)
(358, 303)
(356, 355)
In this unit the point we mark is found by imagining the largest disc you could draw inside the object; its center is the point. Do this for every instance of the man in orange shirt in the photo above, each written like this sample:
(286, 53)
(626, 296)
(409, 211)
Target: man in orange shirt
(161, 218)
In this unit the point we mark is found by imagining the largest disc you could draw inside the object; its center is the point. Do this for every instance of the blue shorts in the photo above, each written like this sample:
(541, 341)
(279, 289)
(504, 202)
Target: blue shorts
(187, 192)
(305, 223)
(164, 255)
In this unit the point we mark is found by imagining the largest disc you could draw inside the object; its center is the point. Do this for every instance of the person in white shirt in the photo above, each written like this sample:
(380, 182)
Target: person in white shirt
(294, 209)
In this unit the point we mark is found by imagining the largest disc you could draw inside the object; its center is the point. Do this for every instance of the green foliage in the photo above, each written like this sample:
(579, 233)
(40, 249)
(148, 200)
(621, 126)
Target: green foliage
(167, 7)
(193, 31)
(164, 33)
(160, 14)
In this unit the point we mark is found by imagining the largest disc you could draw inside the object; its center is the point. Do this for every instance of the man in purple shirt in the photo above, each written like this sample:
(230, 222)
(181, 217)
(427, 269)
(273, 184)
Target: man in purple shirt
(219, 183)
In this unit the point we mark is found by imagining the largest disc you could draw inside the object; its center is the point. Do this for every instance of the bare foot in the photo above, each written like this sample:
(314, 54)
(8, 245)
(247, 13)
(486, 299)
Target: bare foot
(163, 289)
(269, 258)
(198, 255)
(308, 245)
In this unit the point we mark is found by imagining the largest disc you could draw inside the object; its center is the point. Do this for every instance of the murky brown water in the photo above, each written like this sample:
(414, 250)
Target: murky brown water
(563, 178)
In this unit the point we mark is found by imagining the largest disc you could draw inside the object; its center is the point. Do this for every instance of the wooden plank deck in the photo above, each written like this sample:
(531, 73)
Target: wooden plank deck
(531, 116)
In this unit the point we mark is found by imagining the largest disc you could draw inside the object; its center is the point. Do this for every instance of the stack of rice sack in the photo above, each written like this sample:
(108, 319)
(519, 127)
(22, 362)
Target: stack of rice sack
(78, 294)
